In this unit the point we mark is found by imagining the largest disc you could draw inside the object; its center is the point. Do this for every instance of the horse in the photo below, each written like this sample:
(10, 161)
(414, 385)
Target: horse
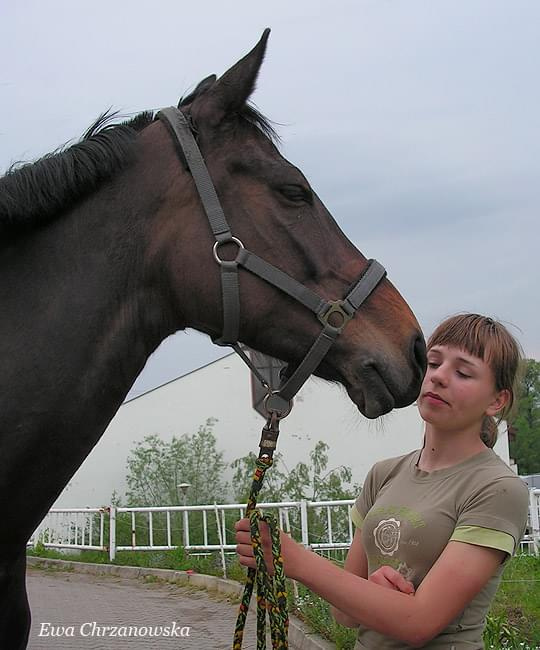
(105, 251)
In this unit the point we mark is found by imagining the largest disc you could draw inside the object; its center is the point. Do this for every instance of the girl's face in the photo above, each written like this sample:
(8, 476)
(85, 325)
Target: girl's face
(458, 389)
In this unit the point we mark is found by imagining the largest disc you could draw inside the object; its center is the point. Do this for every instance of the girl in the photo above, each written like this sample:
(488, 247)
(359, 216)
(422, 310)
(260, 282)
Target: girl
(433, 527)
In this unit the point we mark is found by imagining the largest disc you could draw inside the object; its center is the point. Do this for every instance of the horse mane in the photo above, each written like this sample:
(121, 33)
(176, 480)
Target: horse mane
(35, 193)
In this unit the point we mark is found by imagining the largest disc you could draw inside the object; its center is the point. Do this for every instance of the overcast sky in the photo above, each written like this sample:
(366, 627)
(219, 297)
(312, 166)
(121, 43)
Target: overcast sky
(417, 123)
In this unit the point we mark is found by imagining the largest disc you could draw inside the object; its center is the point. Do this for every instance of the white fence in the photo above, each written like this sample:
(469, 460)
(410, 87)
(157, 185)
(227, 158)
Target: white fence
(321, 525)
(76, 528)
(531, 539)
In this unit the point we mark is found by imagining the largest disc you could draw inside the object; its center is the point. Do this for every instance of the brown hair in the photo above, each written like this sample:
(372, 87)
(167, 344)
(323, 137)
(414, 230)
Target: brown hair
(489, 340)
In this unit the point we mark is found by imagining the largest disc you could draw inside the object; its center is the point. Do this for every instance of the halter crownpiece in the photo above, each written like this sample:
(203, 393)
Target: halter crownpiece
(339, 312)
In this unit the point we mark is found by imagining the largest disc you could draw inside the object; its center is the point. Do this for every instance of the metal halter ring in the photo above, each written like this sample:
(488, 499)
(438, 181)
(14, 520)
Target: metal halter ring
(281, 406)
(227, 241)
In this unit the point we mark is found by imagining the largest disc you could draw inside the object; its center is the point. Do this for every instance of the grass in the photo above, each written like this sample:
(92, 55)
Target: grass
(315, 611)
(176, 559)
(513, 621)
(517, 603)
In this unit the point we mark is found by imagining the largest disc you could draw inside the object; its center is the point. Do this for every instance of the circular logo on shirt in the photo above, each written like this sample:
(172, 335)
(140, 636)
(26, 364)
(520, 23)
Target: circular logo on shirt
(386, 536)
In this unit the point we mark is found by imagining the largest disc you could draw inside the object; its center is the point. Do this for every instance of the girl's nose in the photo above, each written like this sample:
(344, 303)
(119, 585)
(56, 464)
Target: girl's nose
(439, 375)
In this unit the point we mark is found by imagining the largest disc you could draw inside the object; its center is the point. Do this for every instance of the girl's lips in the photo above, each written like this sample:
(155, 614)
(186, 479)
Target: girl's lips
(433, 398)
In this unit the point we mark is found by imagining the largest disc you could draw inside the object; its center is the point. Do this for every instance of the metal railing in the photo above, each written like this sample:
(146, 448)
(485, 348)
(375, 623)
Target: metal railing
(76, 528)
(531, 540)
(322, 525)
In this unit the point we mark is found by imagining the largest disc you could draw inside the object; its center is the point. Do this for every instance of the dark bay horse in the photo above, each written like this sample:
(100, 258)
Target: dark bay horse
(105, 251)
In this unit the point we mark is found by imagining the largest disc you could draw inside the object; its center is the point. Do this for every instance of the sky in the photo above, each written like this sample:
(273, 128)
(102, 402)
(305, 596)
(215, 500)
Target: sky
(416, 122)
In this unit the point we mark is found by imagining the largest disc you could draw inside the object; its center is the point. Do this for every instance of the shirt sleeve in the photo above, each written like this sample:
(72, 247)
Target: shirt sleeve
(365, 500)
(495, 516)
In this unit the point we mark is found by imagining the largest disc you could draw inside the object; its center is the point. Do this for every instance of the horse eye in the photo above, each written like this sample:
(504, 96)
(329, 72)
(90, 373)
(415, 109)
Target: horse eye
(297, 193)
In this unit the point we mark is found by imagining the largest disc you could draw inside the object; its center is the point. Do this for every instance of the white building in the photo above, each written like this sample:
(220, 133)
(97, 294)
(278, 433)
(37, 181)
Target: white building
(222, 389)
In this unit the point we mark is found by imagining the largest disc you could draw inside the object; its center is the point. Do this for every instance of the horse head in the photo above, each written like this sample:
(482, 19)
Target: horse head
(273, 210)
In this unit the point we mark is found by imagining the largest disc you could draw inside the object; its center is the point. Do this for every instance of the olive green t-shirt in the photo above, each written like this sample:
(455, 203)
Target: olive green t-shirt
(408, 516)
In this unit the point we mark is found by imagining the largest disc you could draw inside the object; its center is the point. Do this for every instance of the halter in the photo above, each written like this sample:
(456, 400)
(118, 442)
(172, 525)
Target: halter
(340, 311)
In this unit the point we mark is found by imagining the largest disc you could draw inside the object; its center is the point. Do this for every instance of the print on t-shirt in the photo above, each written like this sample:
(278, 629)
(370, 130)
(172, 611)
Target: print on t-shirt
(386, 535)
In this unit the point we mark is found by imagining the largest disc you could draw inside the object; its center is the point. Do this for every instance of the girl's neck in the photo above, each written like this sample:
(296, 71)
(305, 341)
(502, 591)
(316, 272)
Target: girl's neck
(447, 448)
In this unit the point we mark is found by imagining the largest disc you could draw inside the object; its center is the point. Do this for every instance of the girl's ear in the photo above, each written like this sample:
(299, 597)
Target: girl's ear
(501, 400)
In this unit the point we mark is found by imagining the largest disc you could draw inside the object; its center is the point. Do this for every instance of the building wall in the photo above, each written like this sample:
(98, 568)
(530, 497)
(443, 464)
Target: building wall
(532, 480)
(222, 390)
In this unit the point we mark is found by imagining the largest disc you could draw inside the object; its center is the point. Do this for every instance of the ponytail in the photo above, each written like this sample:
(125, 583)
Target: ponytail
(489, 431)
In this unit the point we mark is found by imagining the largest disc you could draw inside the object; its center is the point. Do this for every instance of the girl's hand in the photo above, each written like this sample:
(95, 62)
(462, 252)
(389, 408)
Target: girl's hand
(391, 579)
(244, 549)
(290, 550)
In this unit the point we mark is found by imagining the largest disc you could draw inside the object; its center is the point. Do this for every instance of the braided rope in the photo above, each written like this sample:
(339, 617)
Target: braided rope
(271, 590)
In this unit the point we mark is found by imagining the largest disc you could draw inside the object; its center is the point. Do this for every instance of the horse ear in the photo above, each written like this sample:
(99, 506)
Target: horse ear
(201, 88)
(205, 84)
(231, 91)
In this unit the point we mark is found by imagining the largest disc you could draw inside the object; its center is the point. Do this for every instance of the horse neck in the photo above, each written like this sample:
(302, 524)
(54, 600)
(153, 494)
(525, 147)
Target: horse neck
(81, 320)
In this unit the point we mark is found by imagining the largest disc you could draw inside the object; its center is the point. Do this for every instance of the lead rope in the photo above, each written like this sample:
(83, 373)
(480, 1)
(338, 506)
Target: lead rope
(271, 590)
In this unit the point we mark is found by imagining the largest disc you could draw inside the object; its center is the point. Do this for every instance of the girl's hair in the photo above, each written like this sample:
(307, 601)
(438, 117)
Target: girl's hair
(489, 340)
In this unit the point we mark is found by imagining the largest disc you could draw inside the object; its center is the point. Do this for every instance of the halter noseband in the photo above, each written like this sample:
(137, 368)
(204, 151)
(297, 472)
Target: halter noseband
(343, 311)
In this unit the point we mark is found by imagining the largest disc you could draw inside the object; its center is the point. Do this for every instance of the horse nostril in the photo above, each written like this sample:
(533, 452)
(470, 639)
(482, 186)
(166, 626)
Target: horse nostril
(419, 352)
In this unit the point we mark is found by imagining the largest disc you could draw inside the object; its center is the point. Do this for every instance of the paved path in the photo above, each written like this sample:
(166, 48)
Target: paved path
(86, 604)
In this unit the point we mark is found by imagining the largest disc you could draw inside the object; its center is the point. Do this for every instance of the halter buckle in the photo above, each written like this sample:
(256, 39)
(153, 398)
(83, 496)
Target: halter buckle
(338, 307)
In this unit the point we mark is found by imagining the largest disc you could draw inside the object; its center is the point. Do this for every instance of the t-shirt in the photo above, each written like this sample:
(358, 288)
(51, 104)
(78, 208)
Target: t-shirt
(408, 516)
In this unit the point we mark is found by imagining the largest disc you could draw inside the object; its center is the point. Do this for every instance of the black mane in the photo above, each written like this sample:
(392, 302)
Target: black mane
(252, 115)
(35, 193)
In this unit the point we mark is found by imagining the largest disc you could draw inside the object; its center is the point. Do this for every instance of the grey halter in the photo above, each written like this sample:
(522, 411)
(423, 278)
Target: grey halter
(278, 402)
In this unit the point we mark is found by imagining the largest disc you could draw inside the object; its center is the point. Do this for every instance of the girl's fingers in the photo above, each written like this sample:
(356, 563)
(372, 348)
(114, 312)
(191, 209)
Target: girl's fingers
(245, 550)
(383, 581)
(243, 538)
(403, 585)
(391, 579)
(408, 587)
(243, 532)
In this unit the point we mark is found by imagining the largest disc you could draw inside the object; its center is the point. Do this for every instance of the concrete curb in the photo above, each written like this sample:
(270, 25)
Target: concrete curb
(299, 633)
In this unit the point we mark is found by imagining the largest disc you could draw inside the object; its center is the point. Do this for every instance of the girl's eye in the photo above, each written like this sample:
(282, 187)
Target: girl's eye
(432, 364)
(463, 375)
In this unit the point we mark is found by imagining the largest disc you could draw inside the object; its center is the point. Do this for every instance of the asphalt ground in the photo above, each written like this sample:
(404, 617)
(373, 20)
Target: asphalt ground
(71, 610)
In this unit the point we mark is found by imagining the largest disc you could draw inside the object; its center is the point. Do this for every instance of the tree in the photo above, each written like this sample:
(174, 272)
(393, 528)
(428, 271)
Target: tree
(525, 449)
(315, 482)
(304, 481)
(312, 482)
(156, 468)
(272, 487)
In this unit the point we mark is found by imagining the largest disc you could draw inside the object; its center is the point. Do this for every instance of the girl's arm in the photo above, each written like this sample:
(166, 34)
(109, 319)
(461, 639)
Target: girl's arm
(459, 574)
(356, 563)
(385, 576)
